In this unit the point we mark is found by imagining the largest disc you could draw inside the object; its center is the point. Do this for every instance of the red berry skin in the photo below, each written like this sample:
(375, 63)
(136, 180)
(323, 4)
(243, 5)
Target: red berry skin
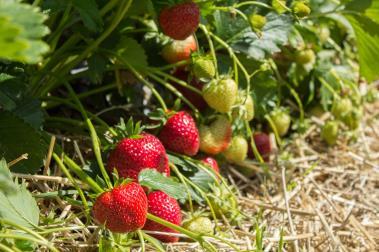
(180, 134)
(180, 21)
(132, 155)
(123, 209)
(263, 144)
(212, 163)
(167, 208)
(196, 99)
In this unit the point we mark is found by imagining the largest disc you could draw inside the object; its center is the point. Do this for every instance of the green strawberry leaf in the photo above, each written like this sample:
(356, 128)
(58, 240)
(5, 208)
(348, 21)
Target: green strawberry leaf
(133, 53)
(6, 182)
(21, 30)
(19, 207)
(369, 8)
(142, 7)
(367, 36)
(90, 14)
(193, 171)
(274, 35)
(18, 137)
(157, 181)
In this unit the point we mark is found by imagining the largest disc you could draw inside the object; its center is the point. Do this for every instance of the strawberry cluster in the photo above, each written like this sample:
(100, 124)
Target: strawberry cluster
(125, 207)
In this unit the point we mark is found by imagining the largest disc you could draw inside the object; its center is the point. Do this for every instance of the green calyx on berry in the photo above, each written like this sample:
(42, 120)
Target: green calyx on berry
(341, 107)
(221, 94)
(203, 68)
(257, 21)
(130, 130)
(329, 132)
(304, 57)
(237, 150)
(300, 9)
(282, 120)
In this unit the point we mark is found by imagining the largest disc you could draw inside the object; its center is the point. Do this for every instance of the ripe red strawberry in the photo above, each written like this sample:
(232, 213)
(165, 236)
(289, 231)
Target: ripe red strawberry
(263, 144)
(123, 209)
(180, 134)
(212, 163)
(179, 50)
(135, 153)
(196, 99)
(167, 208)
(180, 21)
(215, 138)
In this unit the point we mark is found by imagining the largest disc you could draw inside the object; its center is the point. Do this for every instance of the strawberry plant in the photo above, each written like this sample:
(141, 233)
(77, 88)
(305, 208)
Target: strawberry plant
(200, 84)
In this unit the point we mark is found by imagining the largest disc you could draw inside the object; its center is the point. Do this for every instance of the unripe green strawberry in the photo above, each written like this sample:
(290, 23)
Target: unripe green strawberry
(305, 56)
(324, 34)
(341, 107)
(352, 119)
(221, 95)
(245, 109)
(203, 68)
(329, 132)
(257, 21)
(281, 120)
(215, 138)
(200, 225)
(237, 150)
(279, 6)
(301, 9)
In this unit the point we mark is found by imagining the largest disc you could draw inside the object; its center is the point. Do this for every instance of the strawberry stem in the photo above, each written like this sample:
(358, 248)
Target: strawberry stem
(168, 224)
(80, 173)
(211, 47)
(180, 82)
(69, 176)
(273, 127)
(175, 91)
(94, 137)
(142, 79)
(252, 143)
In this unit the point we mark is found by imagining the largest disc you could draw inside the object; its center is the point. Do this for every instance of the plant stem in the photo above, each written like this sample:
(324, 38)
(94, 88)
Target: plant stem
(142, 79)
(74, 106)
(180, 82)
(153, 241)
(80, 173)
(175, 91)
(86, 94)
(69, 176)
(192, 235)
(260, 4)
(211, 48)
(273, 127)
(141, 239)
(94, 137)
(180, 176)
(5, 248)
(26, 238)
